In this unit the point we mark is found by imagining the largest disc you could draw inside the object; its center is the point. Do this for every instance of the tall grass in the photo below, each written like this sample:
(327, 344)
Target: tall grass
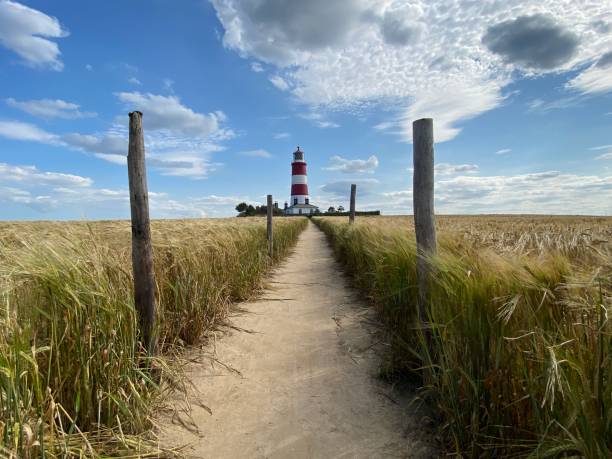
(520, 362)
(73, 378)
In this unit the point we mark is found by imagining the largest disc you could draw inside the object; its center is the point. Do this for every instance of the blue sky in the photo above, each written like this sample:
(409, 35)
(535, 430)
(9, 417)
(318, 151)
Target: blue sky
(520, 94)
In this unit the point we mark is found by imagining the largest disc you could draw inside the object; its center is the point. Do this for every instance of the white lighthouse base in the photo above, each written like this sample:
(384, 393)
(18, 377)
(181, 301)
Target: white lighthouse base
(301, 209)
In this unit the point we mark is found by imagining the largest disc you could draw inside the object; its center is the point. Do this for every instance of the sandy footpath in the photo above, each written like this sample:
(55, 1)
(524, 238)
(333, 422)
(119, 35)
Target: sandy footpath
(300, 382)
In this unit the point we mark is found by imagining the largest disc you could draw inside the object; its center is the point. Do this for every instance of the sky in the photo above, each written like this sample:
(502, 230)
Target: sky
(520, 93)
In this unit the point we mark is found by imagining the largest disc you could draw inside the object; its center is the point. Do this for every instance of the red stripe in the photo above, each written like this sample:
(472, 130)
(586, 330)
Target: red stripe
(299, 189)
(298, 168)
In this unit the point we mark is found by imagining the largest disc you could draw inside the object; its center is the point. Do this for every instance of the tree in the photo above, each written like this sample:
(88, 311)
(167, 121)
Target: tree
(242, 207)
(331, 210)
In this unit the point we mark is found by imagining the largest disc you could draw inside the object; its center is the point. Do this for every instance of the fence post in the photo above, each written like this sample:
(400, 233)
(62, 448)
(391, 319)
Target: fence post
(142, 250)
(423, 203)
(352, 208)
(269, 226)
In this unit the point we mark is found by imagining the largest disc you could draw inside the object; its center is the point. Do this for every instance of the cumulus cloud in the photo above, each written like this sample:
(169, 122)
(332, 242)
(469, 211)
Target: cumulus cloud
(399, 26)
(280, 32)
(549, 192)
(28, 33)
(353, 54)
(350, 166)
(30, 174)
(168, 113)
(110, 144)
(543, 192)
(503, 151)
(49, 108)
(46, 191)
(170, 154)
(135, 81)
(256, 67)
(17, 130)
(536, 41)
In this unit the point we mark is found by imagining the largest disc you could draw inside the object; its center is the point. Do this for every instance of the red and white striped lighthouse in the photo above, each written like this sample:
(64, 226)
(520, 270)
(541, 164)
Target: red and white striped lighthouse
(300, 200)
(299, 181)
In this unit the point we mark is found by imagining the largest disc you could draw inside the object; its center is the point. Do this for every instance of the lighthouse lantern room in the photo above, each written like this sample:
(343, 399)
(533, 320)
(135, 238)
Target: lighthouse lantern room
(300, 200)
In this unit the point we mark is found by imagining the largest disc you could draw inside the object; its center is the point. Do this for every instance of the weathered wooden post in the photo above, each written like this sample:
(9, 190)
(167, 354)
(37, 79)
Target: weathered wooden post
(423, 203)
(142, 249)
(269, 226)
(352, 208)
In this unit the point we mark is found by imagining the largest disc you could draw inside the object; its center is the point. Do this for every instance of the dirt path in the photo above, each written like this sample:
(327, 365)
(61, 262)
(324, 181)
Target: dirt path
(305, 382)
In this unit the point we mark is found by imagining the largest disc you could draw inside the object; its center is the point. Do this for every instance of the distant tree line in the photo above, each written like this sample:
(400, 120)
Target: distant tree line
(247, 210)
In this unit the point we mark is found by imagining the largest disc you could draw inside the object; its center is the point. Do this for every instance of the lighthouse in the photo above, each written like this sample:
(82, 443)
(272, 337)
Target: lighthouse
(300, 200)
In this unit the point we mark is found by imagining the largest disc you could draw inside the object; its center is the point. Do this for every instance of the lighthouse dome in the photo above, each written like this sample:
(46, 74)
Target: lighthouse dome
(298, 155)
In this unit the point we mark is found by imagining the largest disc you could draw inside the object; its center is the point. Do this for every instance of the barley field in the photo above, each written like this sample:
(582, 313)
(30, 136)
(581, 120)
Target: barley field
(517, 361)
(74, 381)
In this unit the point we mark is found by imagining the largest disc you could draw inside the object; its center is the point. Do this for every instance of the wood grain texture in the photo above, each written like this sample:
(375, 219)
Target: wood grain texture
(352, 207)
(423, 202)
(142, 249)
(269, 226)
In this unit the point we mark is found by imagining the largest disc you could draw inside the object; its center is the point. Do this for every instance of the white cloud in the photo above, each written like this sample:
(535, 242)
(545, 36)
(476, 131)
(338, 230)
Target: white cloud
(541, 106)
(49, 108)
(453, 169)
(256, 67)
(543, 192)
(549, 192)
(350, 166)
(503, 151)
(27, 32)
(318, 120)
(605, 156)
(121, 160)
(31, 175)
(281, 135)
(112, 144)
(343, 187)
(279, 82)
(135, 81)
(17, 130)
(427, 57)
(45, 191)
(168, 85)
(460, 101)
(168, 113)
(594, 80)
(256, 153)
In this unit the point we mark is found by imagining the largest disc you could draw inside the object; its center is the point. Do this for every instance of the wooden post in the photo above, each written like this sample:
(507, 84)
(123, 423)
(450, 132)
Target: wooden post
(142, 249)
(423, 200)
(352, 208)
(269, 226)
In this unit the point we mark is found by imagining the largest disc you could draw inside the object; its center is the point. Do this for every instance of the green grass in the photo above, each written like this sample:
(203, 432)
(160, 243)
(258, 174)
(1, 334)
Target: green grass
(520, 362)
(74, 381)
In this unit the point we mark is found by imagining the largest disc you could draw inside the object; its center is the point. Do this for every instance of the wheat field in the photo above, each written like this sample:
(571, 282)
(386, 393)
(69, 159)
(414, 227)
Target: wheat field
(517, 361)
(74, 381)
